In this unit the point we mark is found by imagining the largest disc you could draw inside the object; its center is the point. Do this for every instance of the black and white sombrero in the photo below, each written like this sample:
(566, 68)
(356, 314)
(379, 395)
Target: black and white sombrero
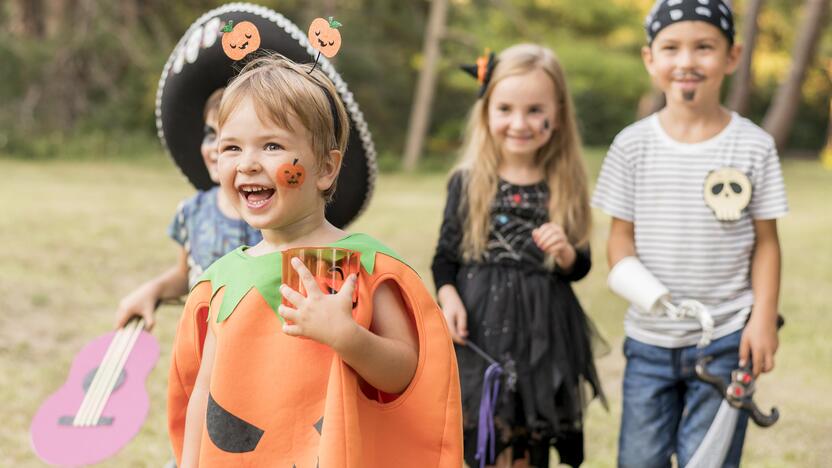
(198, 66)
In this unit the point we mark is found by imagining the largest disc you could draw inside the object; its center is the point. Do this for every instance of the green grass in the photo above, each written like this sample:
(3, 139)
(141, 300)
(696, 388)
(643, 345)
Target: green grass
(76, 236)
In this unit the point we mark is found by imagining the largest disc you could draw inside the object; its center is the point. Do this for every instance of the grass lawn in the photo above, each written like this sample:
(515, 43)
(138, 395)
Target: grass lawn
(76, 236)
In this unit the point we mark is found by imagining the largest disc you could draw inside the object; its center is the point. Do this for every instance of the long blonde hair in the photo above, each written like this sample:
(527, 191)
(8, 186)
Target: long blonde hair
(560, 157)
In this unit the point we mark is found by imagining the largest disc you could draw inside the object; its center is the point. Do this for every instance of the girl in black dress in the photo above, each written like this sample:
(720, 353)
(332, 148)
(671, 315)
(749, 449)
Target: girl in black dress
(515, 235)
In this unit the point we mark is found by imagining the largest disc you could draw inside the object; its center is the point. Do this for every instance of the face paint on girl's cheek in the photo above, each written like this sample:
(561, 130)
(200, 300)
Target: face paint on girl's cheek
(291, 175)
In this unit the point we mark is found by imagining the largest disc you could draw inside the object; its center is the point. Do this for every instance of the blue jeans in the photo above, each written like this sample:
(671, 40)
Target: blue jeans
(667, 409)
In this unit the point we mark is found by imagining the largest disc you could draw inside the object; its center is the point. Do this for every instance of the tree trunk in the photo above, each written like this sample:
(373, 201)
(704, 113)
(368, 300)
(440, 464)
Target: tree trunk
(423, 98)
(780, 116)
(741, 84)
(27, 19)
(826, 153)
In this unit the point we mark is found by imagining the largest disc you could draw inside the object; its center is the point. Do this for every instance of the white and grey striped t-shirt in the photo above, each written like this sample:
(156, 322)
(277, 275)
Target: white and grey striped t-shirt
(657, 183)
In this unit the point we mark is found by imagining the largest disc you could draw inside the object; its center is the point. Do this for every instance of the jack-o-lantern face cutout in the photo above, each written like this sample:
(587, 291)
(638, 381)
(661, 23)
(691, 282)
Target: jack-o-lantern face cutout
(291, 175)
(324, 36)
(241, 40)
(727, 193)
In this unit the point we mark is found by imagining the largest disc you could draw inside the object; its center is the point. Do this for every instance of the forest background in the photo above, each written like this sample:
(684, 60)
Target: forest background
(78, 77)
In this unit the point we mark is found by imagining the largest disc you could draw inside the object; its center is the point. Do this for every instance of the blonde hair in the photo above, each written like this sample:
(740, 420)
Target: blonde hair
(278, 88)
(212, 104)
(560, 157)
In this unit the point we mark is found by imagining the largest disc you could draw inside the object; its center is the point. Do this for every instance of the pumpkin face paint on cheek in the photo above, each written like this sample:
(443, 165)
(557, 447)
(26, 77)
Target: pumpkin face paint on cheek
(291, 175)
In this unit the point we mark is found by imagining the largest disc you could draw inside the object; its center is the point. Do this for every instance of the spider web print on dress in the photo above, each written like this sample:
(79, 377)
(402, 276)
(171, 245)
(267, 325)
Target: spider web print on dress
(517, 211)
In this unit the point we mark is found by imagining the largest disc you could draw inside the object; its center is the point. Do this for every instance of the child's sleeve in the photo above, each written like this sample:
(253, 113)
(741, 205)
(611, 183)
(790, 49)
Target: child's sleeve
(581, 267)
(768, 195)
(615, 189)
(178, 230)
(446, 259)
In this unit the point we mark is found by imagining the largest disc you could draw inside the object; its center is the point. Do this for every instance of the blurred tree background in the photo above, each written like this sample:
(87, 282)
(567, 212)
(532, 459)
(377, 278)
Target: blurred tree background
(78, 77)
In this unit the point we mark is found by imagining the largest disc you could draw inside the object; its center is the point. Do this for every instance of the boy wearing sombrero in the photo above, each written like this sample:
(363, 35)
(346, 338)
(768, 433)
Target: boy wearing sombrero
(205, 226)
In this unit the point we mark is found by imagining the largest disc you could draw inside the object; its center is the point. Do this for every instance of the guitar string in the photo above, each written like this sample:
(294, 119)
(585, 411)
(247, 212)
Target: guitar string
(110, 375)
(113, 376)
(104, 369)
(108, 365)
(82, 414)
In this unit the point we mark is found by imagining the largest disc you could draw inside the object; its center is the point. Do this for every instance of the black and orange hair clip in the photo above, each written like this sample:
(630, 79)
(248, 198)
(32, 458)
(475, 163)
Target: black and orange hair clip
(482, 70)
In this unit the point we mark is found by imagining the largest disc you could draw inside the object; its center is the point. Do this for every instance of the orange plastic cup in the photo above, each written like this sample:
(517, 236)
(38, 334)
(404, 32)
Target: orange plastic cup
(331, 266)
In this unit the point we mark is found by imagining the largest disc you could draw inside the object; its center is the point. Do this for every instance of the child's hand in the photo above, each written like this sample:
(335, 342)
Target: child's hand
(551, 239)
(454, 311)
(325, 318)
(759, 342)
(141, 302)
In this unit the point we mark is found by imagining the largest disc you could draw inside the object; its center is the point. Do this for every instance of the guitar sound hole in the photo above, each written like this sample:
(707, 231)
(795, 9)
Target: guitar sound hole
(91, 374)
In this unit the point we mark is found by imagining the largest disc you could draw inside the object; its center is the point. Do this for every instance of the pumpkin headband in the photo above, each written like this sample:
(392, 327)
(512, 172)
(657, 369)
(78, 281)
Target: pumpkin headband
(482, 70)
(333, 108)
(324, 37)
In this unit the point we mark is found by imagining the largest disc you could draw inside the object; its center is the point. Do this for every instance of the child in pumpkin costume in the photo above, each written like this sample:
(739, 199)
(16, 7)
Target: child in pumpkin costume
(254, 392)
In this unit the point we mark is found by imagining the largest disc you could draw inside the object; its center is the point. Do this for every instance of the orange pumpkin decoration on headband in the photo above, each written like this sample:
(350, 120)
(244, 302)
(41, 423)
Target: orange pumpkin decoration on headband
(241, 40)
(324, 36)
(291, 175)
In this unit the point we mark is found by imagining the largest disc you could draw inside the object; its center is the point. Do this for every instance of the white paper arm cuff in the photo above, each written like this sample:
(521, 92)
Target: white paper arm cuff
(630, 279)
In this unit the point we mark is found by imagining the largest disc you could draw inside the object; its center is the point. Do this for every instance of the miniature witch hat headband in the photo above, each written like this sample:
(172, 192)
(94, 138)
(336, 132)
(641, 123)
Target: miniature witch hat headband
(482, 70)
(213, 51)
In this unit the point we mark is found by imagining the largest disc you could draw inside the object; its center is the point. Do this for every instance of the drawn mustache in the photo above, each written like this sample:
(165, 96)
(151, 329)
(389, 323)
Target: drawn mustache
(688, 76)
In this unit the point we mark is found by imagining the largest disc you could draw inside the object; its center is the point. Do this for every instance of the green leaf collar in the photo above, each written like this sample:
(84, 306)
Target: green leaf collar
(239, 272)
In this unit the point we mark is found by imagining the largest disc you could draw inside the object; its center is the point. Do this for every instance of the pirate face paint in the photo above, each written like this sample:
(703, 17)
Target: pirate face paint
(291, 175)
(688, 81)
(727, 193)
(688, 61)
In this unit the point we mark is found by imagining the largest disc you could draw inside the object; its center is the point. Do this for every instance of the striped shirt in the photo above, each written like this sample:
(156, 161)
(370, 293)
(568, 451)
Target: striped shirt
(657, 183)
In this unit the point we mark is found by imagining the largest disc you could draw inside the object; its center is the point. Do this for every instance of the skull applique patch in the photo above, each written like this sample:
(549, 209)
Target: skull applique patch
(727, 193)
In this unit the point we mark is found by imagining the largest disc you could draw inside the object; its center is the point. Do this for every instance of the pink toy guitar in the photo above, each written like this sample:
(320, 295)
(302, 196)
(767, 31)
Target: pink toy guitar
(103, 402)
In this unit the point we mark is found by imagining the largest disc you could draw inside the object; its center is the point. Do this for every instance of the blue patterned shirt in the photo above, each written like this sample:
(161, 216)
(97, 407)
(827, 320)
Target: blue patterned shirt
(206, 233)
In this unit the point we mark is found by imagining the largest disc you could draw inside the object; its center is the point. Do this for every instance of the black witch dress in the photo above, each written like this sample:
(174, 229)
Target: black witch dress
(528, 318)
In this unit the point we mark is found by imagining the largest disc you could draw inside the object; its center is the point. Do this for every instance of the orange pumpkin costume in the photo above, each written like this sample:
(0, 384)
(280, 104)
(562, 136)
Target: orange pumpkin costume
(277, 400)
